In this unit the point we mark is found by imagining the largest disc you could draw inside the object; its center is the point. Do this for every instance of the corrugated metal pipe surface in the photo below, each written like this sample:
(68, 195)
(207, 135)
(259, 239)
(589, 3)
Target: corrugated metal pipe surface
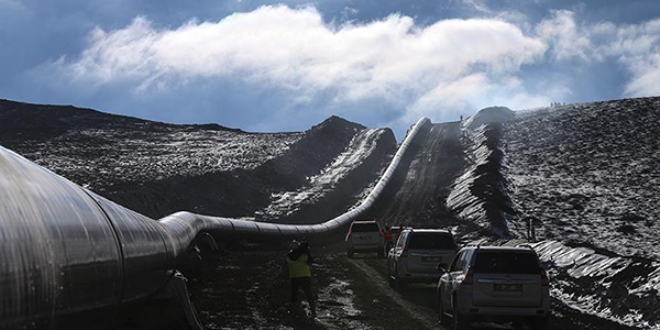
(65, 250)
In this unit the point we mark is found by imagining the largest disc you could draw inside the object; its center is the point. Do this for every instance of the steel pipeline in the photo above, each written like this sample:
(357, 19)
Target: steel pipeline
(65, 250)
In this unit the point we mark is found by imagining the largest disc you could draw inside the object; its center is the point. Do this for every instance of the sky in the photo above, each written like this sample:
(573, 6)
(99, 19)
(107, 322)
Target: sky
(285, 66)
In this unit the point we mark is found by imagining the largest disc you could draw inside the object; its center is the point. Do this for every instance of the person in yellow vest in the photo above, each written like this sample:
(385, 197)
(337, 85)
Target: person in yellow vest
(299, 260)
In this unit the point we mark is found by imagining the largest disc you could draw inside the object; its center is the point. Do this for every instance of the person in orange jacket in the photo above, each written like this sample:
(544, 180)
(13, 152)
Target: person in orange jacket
(299, 260)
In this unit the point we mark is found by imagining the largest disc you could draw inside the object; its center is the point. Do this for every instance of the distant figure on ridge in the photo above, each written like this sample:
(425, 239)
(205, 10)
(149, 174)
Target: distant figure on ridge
(530, 224)
(299, 260)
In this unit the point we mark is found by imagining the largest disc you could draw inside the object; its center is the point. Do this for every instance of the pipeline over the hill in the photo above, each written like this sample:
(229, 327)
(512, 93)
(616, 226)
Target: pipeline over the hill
(65, 251)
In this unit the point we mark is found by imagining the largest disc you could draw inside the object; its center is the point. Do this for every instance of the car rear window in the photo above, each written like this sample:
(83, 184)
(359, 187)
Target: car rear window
(506, 262)
(432, 241)
(364, 227)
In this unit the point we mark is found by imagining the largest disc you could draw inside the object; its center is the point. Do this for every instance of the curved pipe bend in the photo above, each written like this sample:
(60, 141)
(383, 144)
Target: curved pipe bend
(65, 250)
(185, 226)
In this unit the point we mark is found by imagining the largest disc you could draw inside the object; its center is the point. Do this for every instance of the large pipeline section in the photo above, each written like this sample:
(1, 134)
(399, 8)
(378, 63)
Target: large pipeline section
(65, 251)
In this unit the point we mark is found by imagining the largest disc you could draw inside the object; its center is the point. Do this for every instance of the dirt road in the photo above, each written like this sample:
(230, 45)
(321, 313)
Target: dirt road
(418, 191)
(250, 290)
(352, 294)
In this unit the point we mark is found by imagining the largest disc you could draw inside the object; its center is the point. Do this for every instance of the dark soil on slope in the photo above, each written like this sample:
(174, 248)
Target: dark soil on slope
(247, 290)
(117, 157)
(589, 165)
(250, 290)
(418, 191)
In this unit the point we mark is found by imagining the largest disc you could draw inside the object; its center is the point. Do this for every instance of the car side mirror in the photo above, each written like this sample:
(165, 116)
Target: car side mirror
(442, 268)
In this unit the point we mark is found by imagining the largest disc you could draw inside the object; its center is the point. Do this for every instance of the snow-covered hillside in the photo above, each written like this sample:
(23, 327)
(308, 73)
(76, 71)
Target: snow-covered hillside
(590, 174)
(592, 170)
(328, 181)
(93, 148)
(157, 168)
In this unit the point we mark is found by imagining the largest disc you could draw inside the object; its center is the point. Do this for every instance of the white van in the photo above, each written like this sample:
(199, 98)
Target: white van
(417, 253)
(365, 236)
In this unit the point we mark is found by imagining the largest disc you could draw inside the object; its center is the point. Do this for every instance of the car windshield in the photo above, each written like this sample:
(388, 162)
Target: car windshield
(506, 262)
(435, 241)
(364, 227)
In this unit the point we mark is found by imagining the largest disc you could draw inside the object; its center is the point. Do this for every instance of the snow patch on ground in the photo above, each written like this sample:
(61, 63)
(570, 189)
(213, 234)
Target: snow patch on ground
(286, 203)
(153, 155)
(615, 287)
(480, 195)
(590, 172)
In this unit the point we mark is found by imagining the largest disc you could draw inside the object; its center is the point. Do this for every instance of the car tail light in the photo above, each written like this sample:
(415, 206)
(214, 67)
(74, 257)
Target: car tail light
(469, 277)
(544, 278)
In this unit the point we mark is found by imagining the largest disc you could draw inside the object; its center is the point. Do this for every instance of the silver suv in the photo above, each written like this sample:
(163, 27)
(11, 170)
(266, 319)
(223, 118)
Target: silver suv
(417, 253)
(365, 236)
(495, 284)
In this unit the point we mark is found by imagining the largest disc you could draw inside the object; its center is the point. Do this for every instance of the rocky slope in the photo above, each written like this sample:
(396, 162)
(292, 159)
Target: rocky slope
(589, 172)
(157, 168)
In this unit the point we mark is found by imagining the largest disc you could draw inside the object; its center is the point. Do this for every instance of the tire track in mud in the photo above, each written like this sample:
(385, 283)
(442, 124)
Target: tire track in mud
(250, 290)
(418, 302)
(372, 271)
(418, 193)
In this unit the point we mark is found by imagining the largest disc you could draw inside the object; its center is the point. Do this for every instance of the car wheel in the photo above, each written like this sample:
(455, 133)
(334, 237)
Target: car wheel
(399, 283)
(442, 317)
(390, 277)
(460, 322)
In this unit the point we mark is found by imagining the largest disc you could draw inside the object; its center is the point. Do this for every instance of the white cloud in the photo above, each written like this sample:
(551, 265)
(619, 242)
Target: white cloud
(637, 48)
(446, 68)
(391, 59)
(645, 71)
(478, 91)
(567, 39)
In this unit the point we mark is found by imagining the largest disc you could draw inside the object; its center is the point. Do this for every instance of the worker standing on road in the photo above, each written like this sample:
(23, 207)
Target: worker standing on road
(299, 260)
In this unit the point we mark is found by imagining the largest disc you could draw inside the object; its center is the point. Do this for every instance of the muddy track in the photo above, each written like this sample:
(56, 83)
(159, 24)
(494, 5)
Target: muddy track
(250, 290)
(419, 303)
(417, 196)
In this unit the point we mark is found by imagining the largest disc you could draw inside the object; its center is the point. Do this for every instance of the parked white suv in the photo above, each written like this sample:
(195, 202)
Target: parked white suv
(495, 284)
(417, 253)
(365, 236)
